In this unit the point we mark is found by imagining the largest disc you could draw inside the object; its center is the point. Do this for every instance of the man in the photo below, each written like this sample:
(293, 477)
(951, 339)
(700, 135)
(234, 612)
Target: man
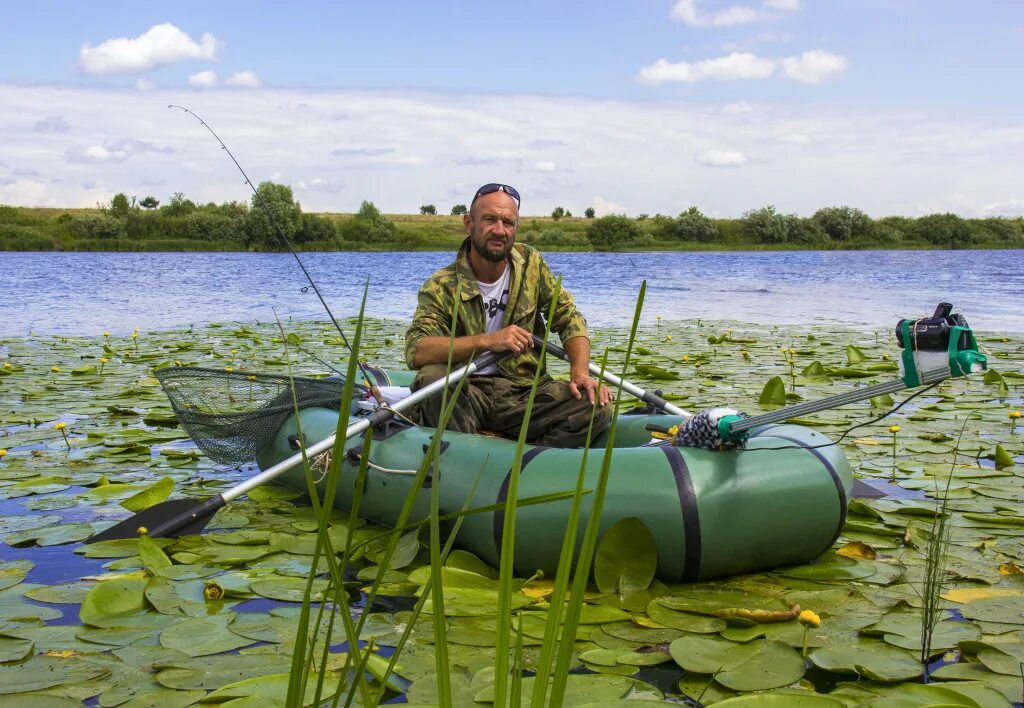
(506, 289)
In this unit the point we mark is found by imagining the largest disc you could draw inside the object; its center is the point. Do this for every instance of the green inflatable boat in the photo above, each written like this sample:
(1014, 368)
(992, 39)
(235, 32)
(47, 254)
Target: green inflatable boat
(781, 500)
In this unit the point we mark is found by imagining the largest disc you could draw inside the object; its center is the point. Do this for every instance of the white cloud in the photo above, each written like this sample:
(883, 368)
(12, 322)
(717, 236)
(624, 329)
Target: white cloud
(787, 5)
(603, 207)
(1010, 207)
(95, 153)
(728, 68)
(246, 79)
(159, 45)
(812, 66)
(687, 12)
(145, 85)
(639, 153)
(721, 158)
(737, 108)
(793, 138)
(545, 166)
(52, 124)
(203, 79)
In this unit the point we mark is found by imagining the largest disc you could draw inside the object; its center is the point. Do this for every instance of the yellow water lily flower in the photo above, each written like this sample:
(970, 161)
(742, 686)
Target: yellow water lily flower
(104, 360)
(809, 619)
(668, 338)
(55, 369)
(250, 378)
(1013, 415)
(3, 452)
(212, 591)
(229, 369)
(7, 365)
(894, 429)
(60, 426)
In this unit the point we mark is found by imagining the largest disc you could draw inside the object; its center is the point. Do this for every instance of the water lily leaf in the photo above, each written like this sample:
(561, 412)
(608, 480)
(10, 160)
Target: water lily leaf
(581, 688)
(63, 593)
(454, 578)
(782, 699)
(44, 671)
(464, 560)
(830, 567)
(405, 551)
(104, 604)
(1003, 459)
(770, 665)
(774, 393)
(14, 649)
(961, 595)
(857, 549)
(51, 535)
(686, 621)
(13, 572)
(153, 494)
(854, 355)
(703, 655)
(1006, 608)
(214, 672)
(201, 636)
(289, 589)
(626, 558)
(271, 690)
(721, 602)
(153, 557)
(10, 524)
(877, 662)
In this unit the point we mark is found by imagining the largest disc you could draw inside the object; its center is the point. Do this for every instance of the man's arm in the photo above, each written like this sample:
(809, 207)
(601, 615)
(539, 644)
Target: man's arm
(434, 350)
(580, 381)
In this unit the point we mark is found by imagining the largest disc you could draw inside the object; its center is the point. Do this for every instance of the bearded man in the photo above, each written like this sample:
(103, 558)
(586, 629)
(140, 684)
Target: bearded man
(505, 289)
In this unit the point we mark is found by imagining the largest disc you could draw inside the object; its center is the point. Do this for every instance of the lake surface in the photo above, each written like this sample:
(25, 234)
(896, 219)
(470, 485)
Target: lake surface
(87, 293)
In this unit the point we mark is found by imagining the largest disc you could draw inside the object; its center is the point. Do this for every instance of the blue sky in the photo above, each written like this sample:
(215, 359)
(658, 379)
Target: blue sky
(908, 106)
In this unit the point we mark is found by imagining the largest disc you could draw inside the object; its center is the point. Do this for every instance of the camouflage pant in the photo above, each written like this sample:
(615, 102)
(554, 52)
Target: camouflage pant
(494, 403)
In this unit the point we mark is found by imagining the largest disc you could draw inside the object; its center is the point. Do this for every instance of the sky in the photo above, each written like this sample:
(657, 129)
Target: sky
(628, 106)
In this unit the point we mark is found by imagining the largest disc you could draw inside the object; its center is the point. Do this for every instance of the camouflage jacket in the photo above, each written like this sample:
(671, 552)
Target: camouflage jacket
(531, 287)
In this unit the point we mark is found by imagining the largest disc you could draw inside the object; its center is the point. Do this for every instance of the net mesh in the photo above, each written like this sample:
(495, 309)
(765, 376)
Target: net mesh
(232, 415)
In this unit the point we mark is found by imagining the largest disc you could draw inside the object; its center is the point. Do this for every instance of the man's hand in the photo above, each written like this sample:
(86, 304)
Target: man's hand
(580, 384)
(509, 339)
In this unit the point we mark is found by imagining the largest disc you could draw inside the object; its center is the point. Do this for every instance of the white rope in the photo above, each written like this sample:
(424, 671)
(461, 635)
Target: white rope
(322, 464)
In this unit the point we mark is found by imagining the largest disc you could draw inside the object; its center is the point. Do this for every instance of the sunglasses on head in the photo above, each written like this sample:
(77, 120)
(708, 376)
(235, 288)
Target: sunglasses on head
(495, 187)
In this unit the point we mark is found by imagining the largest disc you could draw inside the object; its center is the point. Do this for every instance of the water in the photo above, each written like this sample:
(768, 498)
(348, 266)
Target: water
(87, 293)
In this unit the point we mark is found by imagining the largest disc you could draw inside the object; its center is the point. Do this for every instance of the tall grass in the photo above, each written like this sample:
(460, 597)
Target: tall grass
(563, 618)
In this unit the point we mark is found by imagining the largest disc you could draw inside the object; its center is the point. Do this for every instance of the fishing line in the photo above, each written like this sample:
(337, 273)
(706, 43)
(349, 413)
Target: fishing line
(280, 233)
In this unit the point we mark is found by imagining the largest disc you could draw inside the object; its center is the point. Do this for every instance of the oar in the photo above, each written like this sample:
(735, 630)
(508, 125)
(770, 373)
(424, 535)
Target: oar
(187, 516)
(630, 388)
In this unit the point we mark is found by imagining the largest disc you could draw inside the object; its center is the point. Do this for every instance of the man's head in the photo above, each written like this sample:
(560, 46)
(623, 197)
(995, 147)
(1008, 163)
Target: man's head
(492, 221)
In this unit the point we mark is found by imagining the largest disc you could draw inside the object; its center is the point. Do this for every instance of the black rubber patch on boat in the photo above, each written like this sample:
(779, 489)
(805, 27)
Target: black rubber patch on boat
(499, 515)
(691, 518)
(840, 491)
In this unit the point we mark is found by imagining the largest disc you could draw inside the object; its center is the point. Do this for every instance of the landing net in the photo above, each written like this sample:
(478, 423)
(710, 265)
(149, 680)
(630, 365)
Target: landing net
(232, 415)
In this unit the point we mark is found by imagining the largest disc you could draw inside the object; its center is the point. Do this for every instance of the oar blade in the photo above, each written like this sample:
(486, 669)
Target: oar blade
(154, 517)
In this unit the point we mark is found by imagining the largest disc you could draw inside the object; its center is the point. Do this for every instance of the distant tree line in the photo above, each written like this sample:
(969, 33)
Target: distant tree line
(179, 224)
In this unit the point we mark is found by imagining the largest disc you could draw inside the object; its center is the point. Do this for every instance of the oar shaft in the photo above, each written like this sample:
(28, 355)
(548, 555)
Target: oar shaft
(630, 388)
(377, 416)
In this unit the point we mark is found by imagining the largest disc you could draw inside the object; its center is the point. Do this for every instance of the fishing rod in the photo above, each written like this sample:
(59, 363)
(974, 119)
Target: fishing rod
(374, 391)
(934, 348)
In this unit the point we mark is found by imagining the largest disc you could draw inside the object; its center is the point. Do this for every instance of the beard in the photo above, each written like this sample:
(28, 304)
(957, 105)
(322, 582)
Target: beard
(491, 254)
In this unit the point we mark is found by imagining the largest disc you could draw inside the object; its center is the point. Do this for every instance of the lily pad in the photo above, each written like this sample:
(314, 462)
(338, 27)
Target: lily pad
(153, 494)
(770, 665)
(626, 558)
(877, 662)
(104, 604)
(202, 636)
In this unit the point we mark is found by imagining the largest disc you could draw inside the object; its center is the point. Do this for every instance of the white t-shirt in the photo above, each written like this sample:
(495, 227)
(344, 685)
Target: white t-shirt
(495, 300)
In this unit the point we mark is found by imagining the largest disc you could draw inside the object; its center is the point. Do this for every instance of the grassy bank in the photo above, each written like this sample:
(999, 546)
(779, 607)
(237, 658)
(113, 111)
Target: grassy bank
(184, 226)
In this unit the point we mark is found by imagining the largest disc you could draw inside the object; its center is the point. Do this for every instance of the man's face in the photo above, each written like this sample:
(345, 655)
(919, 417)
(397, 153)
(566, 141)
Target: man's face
(491, 224)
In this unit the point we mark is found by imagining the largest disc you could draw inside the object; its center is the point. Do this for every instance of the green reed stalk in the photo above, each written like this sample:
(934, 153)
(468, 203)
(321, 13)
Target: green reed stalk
(586, 556)
(414, 490)
(506, 571)
(427, 589)
(301, 666)
(565, 558)
(935, 561)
